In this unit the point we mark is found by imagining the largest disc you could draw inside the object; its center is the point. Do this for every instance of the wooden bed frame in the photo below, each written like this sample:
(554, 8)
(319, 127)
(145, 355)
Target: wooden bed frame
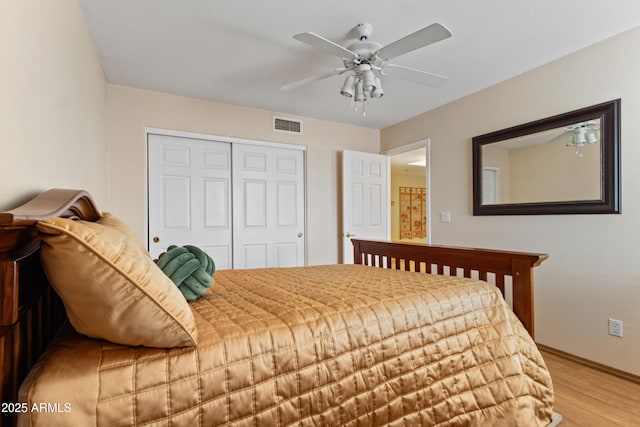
(31, 312)
(498, 267)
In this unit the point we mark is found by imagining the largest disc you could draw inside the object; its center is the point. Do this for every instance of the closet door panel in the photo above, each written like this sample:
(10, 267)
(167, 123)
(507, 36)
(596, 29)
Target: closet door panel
(190, 196)
(268, 188)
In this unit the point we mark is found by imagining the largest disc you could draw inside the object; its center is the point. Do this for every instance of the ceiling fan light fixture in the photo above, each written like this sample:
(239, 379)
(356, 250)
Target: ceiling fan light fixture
(591, 138)
(369, 81)
(377, 92)
(348, 86)
(360, 96)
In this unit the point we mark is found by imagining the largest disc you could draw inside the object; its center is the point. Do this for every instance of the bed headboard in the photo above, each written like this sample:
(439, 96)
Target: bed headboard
(30, 311)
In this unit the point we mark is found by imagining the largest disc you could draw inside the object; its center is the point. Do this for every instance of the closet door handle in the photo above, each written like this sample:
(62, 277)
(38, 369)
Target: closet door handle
(349, 235)
(299, 234)
(156, 239)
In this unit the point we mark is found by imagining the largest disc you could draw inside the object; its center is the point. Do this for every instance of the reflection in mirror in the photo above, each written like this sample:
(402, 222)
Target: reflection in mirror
(560, 164)
(569, 163)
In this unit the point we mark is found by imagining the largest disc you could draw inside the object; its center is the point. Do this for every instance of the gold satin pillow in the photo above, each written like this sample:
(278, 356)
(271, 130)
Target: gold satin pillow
(110, 286)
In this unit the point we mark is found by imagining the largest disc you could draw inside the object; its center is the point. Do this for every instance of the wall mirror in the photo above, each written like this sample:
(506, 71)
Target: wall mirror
(565, 164)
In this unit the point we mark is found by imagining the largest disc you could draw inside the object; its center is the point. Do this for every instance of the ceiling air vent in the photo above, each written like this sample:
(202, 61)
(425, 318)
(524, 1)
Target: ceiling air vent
(282, 124)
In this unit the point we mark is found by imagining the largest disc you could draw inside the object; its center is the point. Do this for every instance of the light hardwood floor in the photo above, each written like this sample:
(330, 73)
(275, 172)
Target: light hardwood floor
(586, 397)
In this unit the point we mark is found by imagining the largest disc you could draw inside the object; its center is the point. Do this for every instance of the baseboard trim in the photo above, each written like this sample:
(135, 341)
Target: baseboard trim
(591, 364)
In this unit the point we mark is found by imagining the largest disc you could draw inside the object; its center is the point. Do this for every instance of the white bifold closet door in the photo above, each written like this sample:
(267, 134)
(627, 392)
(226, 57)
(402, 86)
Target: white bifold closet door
(268, 207)
(242, 203)
(189, 196)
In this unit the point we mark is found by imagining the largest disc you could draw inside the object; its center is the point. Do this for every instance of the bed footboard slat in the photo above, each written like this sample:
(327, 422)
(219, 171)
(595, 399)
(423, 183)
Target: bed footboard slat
(482, 275)
(518, 266)
(500, 283)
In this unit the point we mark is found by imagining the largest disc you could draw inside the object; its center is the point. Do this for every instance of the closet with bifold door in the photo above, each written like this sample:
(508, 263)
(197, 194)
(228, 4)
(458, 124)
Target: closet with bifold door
(243, 202)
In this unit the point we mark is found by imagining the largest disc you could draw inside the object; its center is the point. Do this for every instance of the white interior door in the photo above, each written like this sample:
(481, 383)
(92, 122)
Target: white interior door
(489, 186)
(189, 196)
(268, 207)
(365, 199)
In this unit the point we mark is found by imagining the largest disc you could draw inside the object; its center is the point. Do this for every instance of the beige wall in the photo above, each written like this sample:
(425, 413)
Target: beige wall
(52, 102)
(545, 172)
(592, 270)
(554, 172)
(131, 110)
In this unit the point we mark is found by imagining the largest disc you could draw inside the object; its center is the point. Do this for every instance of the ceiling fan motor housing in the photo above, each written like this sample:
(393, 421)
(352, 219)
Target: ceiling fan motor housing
(363, 31)
(366, 54)
(363, 48)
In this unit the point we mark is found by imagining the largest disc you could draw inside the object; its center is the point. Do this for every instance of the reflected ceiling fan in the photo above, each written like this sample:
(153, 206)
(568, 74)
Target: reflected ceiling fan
(366, 61)
(579, 134)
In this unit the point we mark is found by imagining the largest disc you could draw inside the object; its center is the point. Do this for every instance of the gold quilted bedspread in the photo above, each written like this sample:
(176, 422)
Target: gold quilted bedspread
(323, 346)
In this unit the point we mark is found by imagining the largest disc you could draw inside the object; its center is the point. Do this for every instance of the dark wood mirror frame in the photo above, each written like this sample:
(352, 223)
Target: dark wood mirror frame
(609, 112)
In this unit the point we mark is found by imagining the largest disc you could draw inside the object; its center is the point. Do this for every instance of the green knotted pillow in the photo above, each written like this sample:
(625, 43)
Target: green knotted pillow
(189, 267)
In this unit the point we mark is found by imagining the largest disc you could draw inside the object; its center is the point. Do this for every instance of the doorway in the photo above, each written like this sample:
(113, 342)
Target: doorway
(410, 193)
(386, 210)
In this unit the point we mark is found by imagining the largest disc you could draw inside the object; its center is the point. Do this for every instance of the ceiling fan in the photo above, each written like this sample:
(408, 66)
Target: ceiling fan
(579, 134)
(366, 61)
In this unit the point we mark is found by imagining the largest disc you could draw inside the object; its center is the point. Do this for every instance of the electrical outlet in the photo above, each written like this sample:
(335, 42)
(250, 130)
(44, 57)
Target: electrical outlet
(615, 327)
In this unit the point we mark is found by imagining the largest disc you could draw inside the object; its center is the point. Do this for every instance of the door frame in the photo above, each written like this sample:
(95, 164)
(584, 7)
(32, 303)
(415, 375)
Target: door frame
(229, 139)
(426, 144)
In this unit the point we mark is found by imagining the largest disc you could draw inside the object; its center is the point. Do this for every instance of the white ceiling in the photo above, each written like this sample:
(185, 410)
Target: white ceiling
(242, 51)
(400, 162)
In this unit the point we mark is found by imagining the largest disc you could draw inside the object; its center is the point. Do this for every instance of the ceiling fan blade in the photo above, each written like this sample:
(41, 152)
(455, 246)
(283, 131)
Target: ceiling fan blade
(308, 80)
(421, 38)
(414, 76)
(326, 45)
(565, 136)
